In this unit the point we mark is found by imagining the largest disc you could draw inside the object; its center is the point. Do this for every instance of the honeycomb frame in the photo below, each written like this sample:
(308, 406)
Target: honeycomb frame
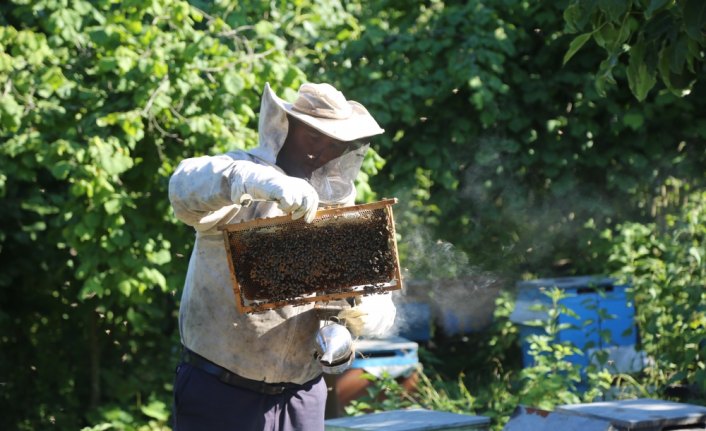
(275, 262)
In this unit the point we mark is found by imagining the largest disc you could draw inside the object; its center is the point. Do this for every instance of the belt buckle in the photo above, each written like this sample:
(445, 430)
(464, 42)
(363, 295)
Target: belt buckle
(273, 389)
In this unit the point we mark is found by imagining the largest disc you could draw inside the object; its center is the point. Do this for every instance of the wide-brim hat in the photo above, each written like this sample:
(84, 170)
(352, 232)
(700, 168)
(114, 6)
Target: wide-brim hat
(326, 109)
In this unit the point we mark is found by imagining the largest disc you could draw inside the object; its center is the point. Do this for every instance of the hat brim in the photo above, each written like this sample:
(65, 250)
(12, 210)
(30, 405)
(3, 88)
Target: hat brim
(359, 125)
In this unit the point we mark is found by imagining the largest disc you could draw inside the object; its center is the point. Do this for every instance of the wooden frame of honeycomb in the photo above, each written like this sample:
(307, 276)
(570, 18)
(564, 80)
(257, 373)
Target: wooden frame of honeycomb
(344, 252)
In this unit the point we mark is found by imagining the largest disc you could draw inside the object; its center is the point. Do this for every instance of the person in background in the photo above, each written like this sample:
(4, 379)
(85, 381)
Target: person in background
(258, 371)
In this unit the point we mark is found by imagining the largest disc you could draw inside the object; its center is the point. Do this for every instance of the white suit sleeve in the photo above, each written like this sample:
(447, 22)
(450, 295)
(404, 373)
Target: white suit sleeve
(204, 190)
(201, 187)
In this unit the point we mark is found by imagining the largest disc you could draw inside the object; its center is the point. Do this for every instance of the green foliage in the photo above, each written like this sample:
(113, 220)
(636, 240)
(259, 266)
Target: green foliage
(664, 262)
(99, 102)
(116, 417)
(498, 383)
(553, 379)
(496, 146)
(497, 386)
(662, 39)
(385, 393)
(498, 142)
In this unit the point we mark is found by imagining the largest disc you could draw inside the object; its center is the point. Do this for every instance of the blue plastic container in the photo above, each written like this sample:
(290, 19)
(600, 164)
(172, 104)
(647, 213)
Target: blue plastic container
(605, 318)
(385, 353)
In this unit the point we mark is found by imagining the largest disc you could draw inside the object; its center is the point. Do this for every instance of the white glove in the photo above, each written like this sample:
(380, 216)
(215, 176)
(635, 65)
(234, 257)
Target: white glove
(373, 317)
(293, 195)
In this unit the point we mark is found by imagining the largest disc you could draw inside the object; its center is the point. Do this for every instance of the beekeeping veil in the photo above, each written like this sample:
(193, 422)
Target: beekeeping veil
(325, 109)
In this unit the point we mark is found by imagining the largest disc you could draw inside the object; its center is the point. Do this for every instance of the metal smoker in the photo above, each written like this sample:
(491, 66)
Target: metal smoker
(334, 347)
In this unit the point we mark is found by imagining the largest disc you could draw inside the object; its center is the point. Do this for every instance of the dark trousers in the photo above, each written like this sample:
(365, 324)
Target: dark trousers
(204, 403)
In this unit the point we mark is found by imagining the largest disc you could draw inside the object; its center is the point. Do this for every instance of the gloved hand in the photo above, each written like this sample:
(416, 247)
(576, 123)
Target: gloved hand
(372, 317)
(293, 195)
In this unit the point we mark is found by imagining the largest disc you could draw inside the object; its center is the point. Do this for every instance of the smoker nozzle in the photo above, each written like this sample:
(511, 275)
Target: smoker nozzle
(334, 348)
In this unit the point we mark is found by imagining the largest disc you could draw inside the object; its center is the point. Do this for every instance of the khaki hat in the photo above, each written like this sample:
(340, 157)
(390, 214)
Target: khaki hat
(326, 109)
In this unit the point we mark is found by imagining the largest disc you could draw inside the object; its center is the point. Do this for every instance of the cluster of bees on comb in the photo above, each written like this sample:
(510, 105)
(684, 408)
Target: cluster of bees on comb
(331, 255)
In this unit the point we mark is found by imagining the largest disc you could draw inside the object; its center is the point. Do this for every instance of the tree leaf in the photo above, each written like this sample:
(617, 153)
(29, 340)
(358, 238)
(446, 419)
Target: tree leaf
(112, 206)
(694, 252)
(156, 409)
(10, 113)
(663, 66)
(605, 74)
(575, 45)
(578, 15)
(233, 82)
(641, 78)
(655, 5)
(695, 18)
(573, 18)
(634, 120)
(679, 52)
(615, 9)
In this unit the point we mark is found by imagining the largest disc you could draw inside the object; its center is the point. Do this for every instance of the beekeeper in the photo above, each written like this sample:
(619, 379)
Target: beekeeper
(258, 371)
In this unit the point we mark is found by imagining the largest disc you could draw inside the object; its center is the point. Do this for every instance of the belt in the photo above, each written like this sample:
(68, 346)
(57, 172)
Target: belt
(230, 378)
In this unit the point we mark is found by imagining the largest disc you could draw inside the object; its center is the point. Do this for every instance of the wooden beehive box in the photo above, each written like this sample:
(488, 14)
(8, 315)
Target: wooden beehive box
(344, 252)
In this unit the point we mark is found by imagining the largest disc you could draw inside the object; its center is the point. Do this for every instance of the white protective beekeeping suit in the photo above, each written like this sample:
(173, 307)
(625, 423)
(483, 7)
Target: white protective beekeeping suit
(205, 192)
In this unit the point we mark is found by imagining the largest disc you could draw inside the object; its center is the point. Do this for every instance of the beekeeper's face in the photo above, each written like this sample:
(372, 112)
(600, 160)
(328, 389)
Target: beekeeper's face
(306, 149)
